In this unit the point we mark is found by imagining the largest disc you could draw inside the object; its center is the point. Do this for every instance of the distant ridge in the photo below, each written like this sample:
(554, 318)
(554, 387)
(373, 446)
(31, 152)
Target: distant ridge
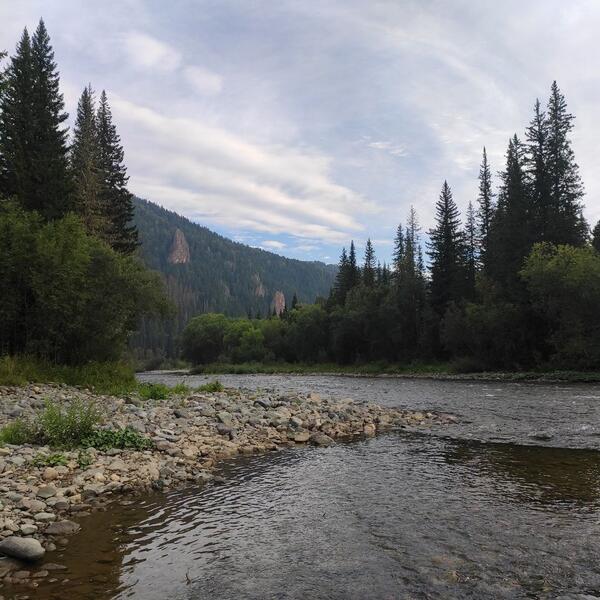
(206, 272)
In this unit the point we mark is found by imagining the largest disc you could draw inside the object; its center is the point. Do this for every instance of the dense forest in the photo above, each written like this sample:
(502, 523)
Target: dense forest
(73, 289)
(514, 285)
(206, 272)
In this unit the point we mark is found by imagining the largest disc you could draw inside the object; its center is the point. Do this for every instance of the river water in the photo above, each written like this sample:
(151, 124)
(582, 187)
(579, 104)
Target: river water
(505, 504)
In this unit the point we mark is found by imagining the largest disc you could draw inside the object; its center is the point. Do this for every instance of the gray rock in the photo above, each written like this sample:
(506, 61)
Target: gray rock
(28, 529)
(28, 549)
(62, 528)
(320, 439)
(46, 491)
(225, 418)
(44, 517)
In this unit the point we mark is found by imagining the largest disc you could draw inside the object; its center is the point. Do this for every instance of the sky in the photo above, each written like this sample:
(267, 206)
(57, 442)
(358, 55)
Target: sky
(298, 125)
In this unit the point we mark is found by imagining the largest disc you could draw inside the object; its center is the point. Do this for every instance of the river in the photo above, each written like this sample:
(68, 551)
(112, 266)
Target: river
(505, 504)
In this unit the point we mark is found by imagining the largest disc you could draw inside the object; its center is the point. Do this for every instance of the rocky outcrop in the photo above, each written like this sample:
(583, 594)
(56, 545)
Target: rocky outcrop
(179, 254)
(278, 302)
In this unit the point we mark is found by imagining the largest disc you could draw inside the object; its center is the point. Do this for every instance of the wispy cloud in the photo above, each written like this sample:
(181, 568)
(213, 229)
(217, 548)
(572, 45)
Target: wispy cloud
(147, 52)
(202, 80)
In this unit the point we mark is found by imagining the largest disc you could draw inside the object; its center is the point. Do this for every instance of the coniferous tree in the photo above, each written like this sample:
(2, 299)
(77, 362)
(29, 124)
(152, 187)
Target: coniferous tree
(412, 242)
(510, 233)
(368, 271)
(566, 222)
(446, 252)
(33, 143)
(596, 237)
(87, 169)
(3, 55)
(353, 269)
(294, 301)
(341, 284)
(399, 250)
(117, 201)
(485, 210)
(471, 253)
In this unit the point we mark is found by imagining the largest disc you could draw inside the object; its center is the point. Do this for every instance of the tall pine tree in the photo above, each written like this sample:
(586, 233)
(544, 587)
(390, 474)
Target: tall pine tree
(87, 168)
(596, 237)
(369, 268)
(33, 141)
(117, 201)
(446, 253)
(485, 211)
(471, 251)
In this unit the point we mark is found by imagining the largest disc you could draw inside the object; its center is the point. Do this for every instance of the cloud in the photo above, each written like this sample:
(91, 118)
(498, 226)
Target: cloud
(146, 52)
(274, 244)
(394, 149)
(202, 80)
(215, 175)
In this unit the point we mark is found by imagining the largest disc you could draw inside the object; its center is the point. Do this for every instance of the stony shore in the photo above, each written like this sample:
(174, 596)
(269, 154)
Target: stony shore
(40, 505)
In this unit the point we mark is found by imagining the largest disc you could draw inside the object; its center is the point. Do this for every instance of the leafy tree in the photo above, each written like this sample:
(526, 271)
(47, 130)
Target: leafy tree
(203, 338)
(446, 252)
(485, 211)
(368, 271)
(87, 168)
(117, 201)
(33, 142)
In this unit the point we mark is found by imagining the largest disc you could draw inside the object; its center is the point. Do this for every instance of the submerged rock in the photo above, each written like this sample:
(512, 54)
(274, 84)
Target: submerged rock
(28, 549)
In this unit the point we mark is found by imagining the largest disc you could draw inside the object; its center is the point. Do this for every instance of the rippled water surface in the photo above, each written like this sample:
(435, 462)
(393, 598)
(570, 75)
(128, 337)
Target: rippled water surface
(485, 510)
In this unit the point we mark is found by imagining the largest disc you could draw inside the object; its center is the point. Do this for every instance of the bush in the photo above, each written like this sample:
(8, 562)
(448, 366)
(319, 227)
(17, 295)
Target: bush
(212, 386)
(18, 432)
(154, 391)
(52, 460)
(67, 427)
(127, 438)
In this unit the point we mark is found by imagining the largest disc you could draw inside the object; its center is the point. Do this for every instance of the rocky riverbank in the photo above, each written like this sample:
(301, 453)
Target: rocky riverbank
(40, 504)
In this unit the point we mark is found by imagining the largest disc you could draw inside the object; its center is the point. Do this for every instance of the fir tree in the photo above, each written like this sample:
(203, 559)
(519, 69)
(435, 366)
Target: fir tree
(413, 244)
(485, 210)
(471, 253)
(87, 169)
(566, 222)
(353, 270)
(596, 237)
(446, 252)
(294, 302)
(341, 284)
(510, 233)
(368, 271)
(399, 249)
(33, 148)
(117, 201)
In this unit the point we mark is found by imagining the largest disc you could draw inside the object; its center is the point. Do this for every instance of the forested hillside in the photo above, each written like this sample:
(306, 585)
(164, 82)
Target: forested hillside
(206, 272)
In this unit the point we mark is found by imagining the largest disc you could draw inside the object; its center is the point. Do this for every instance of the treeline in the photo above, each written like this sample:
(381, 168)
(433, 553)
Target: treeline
(72, 289)
(516, 285)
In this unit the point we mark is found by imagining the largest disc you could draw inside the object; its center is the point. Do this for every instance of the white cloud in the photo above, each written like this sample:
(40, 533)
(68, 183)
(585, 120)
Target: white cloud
(209, 173)
(277, 245)
(394, 149)
(145, 51)
(203, 80)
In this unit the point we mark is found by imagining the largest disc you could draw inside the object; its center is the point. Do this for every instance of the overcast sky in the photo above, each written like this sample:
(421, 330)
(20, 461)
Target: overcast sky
(296, 125)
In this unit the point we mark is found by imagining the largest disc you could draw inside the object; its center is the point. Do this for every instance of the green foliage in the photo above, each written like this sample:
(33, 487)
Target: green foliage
(84, 459)
(126, 439)
(66, 426)
(50, 460)
(154, 391)
(73, 299)
(18, 432)
(107, 378)
(211, 386)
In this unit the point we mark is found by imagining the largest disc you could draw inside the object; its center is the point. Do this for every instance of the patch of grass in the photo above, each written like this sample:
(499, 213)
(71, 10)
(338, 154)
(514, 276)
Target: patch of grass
(180, 388)
(104, 378)
(84, 459)
(211, 386)
(18, 432)
(154, 391)
(127, 438)
(52, 460)
(67, 426)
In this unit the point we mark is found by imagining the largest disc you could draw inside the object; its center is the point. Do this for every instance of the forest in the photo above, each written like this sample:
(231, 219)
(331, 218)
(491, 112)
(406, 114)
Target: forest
(73, 288)
(513, 285)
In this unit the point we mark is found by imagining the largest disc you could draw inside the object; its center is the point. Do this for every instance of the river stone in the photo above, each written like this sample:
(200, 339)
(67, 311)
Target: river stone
(225, 418)
(46, 491)
(320, 439)
(28, 529)
(300, 436)
(50, 474)
(62, 528)
(28, 549)
(44, 517)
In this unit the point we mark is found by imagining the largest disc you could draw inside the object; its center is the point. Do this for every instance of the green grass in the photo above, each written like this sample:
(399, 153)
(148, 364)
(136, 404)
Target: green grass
(211, 386)
(115, 378)
(18, 432)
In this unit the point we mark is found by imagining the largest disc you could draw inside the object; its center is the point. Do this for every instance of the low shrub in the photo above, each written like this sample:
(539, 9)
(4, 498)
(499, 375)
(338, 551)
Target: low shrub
(211, 386)
(127, 438)
(67, 426)
(52, 460)
(154, 391)
(18, 432)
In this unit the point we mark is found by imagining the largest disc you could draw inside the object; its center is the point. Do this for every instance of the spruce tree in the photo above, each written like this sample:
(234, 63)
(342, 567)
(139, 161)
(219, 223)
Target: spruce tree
(87, 168)
(511, 233)
(116, 199)
(446, 252)
(566, 222)
(294, 301)
(33, 146)
(341, 284)
(399, 250)
(596, 237)
(368, 271)
(485, 210)
(353, 270)
(413, 244)
(3, 55)
(471, 251)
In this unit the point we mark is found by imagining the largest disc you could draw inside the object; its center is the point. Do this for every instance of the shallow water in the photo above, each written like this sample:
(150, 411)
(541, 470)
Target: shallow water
(398, 516)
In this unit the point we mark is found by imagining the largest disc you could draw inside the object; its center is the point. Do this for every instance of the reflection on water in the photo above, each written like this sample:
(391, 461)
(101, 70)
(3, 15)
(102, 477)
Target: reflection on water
(399, 516)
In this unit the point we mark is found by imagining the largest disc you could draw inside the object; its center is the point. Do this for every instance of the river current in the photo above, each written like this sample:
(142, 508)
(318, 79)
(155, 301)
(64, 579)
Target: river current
(504, 504)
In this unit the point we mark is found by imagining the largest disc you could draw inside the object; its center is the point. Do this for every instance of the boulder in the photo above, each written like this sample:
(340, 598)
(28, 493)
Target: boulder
(320, 439)
(28, 549)
(65, 527)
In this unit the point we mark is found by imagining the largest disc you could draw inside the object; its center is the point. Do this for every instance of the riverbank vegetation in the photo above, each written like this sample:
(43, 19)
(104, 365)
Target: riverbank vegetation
(513, 287)
(73, 289)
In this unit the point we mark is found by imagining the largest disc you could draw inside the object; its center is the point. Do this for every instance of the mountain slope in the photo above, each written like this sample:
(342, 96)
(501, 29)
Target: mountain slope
(206, 272)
